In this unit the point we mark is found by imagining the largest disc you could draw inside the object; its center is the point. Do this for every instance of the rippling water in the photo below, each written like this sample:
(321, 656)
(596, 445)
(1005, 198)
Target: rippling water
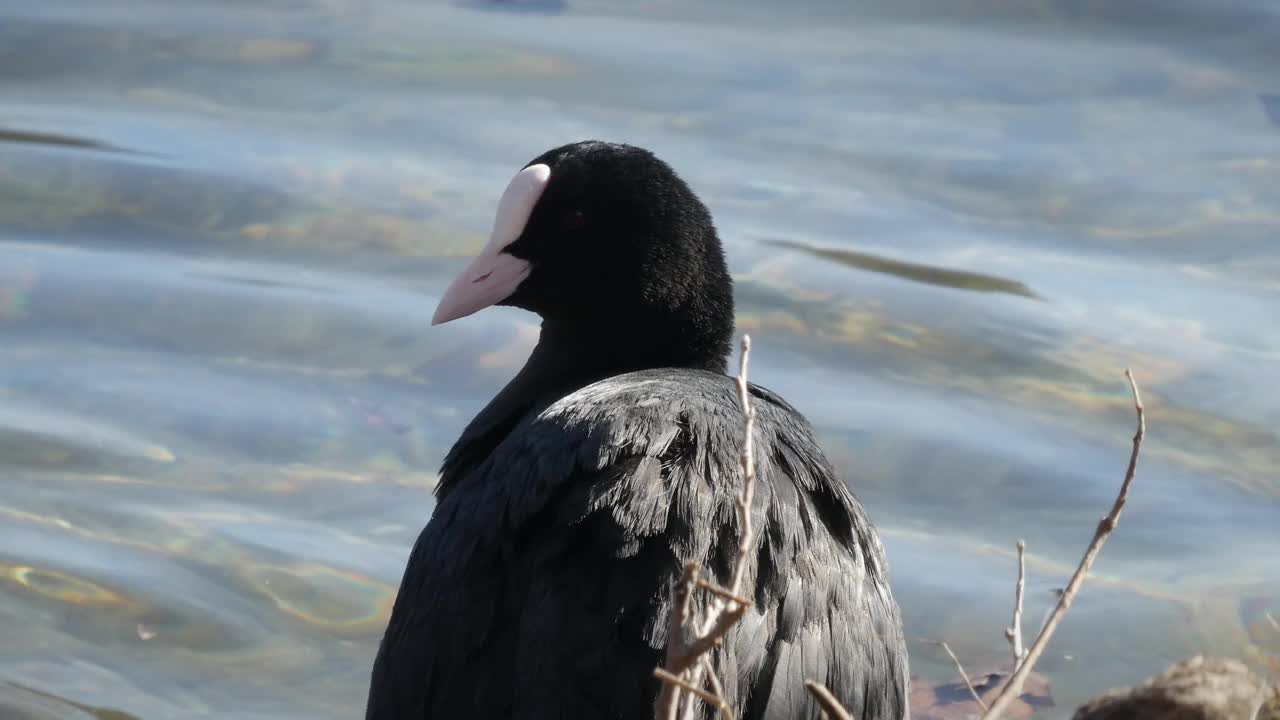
(223, 227)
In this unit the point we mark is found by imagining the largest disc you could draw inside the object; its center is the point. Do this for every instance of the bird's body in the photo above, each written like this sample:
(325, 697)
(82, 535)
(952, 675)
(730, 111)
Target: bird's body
(541, 586)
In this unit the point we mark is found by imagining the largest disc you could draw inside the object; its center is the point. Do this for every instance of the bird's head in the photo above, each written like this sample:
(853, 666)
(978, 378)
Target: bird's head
(611, 248)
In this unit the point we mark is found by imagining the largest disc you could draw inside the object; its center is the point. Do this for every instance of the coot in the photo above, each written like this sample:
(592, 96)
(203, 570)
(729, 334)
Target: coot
(540, 587)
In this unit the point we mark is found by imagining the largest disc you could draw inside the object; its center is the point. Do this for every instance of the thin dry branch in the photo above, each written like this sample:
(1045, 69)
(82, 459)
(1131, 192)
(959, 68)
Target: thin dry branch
(681, 598)
(723, 614)
(963, 675)
(721, 592)
(687, 663)
(716, 688)
(831, 707)
(676, 681)
(1273, 621)
(710, 636)
(1106, 526)
(1014, 632)
(748, 463)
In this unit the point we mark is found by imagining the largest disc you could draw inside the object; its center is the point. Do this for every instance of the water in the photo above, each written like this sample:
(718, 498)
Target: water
(224, 225)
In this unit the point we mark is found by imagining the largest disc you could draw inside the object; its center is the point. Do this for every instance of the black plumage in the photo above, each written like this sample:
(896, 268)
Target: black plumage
(540, 587)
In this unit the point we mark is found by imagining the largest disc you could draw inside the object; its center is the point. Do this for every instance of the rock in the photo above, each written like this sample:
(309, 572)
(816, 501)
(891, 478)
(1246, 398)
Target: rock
(1197, 689)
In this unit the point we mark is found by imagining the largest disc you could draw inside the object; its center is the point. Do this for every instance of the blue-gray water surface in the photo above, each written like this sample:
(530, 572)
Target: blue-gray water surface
(224, 226)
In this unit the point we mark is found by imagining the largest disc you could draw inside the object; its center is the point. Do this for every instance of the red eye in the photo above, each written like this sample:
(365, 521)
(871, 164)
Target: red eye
(574, 220)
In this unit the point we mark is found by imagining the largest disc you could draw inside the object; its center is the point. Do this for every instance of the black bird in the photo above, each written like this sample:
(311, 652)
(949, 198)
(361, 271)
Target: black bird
(540, 587)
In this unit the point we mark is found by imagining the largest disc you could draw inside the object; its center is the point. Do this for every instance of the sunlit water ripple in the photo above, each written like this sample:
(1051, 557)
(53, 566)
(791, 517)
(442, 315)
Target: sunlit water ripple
(223, 227)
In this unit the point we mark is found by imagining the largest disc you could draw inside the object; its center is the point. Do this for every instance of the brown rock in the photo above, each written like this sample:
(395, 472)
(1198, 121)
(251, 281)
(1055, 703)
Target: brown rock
(1197, 689)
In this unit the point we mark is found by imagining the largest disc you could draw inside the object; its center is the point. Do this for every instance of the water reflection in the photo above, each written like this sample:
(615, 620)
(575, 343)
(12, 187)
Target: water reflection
(943, 277)
(23, 703)
(39, 138)
(223, 228)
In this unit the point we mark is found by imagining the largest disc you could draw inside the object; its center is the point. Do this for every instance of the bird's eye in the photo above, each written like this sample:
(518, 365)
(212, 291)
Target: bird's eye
(574, 220)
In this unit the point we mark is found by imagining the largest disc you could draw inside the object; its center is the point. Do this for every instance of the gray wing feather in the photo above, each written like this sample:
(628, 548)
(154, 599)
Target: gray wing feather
(540, 587)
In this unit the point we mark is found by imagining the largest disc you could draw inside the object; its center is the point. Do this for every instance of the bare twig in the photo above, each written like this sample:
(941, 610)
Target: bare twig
(963, 675)
(831, 707)
(680, 682)
(686, 660)
(1014, 631)
(681, 598)
(709, 637)
(1273, 621)
(723, 614)
(721, 592)
(748, 462)
(716, 688)
(1013, 688)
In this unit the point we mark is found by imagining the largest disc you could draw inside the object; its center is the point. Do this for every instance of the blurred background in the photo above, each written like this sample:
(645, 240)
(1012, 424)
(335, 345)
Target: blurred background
(224, 226)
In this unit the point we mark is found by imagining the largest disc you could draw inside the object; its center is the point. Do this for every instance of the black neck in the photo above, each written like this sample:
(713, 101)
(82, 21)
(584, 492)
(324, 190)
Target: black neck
(589, 350)
(568, 357)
